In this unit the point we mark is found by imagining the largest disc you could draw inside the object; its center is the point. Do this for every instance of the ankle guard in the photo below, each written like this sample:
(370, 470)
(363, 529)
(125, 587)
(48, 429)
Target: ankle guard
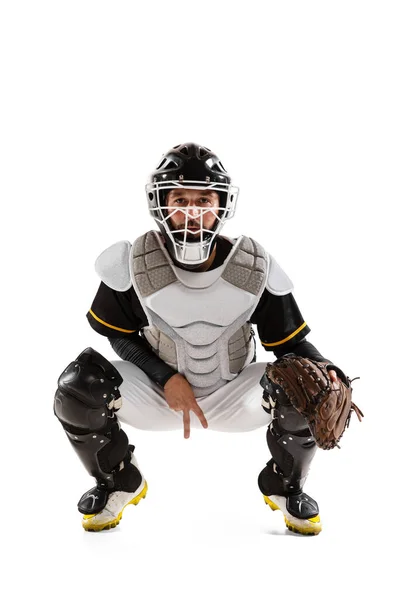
(128, 478)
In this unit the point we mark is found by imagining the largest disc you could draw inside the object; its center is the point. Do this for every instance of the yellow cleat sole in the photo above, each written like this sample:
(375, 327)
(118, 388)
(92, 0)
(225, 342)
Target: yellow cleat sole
(304, 527)
(271, 504)
(88, 526)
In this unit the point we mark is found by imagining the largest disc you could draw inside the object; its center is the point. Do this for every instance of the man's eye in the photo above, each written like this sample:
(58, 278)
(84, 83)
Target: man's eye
(204, 200)
(179, 200)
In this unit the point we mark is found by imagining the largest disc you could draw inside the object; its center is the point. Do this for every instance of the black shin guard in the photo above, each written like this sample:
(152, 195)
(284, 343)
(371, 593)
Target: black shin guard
(291, 444)
(85, 403)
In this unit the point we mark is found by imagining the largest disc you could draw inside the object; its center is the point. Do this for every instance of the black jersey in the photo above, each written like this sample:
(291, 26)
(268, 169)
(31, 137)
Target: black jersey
(279, 322)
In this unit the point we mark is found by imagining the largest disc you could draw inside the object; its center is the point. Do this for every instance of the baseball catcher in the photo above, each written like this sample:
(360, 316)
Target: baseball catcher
(179, 307)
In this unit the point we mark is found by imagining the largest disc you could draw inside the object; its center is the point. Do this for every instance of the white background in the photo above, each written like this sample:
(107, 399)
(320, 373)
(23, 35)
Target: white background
(301, 102)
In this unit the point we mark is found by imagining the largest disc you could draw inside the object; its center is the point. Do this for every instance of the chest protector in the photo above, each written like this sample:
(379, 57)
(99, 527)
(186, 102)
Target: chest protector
(198, 322)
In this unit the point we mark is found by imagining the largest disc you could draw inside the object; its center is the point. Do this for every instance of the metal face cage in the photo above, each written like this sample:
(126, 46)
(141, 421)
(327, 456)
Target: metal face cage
(190, 249)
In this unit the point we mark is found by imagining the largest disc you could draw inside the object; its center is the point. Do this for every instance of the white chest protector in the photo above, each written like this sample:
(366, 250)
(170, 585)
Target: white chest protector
(198, 321)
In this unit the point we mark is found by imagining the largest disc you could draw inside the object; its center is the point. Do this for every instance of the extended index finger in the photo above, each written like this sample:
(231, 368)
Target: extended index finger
(186, 423)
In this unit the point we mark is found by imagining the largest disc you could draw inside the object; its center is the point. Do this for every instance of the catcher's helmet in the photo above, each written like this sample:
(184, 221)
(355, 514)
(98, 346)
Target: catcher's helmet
(190, 166)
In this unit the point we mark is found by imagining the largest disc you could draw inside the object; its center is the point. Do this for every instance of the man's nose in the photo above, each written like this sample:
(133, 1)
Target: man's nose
(193, 211)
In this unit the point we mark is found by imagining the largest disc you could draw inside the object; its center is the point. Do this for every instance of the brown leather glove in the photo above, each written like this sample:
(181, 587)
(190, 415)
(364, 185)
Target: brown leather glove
(326, 406)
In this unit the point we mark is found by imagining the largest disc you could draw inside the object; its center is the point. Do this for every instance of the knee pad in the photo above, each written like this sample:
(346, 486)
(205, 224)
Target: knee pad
(85, 404)
(87, 391)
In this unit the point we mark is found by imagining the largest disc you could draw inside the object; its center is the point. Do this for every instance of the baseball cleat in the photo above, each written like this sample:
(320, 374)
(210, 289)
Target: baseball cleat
(111, 514)
(301, 503)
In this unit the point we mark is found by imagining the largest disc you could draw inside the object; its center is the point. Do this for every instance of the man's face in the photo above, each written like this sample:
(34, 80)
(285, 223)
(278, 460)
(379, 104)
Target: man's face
(196, 203)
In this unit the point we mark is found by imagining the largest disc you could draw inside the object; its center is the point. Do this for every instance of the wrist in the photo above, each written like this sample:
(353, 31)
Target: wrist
(164, 380)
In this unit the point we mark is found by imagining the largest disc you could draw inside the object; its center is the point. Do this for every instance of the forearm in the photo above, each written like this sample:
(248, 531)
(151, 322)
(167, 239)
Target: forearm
(303, 349)
(134, 349)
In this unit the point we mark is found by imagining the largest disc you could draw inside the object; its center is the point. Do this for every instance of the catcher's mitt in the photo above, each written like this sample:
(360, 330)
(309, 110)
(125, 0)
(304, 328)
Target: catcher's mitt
(309, 388)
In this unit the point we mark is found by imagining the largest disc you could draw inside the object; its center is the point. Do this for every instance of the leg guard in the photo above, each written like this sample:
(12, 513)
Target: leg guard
(292, 447)
(85, 403)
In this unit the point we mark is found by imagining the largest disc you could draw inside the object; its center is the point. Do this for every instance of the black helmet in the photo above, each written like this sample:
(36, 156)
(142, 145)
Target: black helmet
(190, 166)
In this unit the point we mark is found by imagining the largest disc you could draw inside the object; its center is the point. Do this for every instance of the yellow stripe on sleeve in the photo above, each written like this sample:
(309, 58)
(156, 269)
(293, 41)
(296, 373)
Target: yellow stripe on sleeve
(111, 326)
(289, 337)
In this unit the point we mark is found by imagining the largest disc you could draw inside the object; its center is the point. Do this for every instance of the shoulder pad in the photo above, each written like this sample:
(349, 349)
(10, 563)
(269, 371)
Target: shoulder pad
(278, 283)
(112, 266)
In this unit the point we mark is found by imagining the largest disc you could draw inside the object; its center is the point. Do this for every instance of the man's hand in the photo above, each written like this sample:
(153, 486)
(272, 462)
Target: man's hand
(179, 396)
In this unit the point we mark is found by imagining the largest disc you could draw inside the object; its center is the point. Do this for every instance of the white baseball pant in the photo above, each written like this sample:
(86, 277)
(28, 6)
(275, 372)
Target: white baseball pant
(234, 407)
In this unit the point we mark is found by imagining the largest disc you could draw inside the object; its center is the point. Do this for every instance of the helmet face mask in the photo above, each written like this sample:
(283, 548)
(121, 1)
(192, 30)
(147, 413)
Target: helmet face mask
(190, 167)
